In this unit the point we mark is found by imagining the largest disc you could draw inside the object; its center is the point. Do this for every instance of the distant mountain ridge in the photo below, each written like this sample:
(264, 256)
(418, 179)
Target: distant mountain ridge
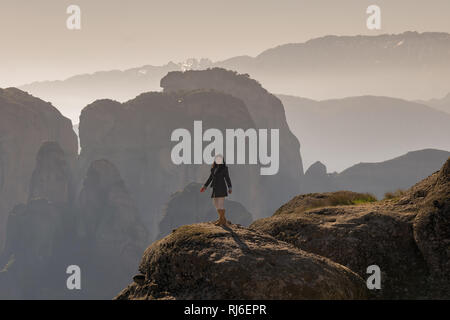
(341, 132)
(442, 104)
(371, 44)
(377, 178)
(398, 65)
(410, 65)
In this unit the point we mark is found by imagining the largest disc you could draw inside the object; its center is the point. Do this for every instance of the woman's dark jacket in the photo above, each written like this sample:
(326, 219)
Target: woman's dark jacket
(219, 179)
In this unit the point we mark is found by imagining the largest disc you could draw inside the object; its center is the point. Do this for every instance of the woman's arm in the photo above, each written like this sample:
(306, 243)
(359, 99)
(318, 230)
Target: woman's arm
(227, 179)
(208, 181)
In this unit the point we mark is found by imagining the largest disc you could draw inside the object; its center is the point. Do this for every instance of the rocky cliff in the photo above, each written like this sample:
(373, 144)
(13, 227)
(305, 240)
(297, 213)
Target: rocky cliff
(204, 261)
(100, 232)
(25, 123)
(267, 112)
(190, 206)
(136, 137)
(39, 232)
(407, 237)
(110, 233)
(52, 177)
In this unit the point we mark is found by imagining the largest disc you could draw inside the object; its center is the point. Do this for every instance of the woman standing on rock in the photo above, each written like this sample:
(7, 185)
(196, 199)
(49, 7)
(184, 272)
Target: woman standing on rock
(220, 183)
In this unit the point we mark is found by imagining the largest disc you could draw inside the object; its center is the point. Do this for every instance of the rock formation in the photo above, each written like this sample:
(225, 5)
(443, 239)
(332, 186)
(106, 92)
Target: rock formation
(317, 179)
(432, 223)
(190, 206)
(267, 112)
(52, 178)
(111, 235)
(407, 237)
(25, 123)
(204, 261)
(100, 232)
(39, 233)
(136, 137)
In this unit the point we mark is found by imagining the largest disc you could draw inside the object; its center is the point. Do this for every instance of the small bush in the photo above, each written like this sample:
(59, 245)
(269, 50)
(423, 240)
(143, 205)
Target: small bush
(347, 198)
(394, 195)
(304, 202)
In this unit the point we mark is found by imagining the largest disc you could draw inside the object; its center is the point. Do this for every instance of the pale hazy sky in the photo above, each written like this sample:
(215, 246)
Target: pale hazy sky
(36, 45)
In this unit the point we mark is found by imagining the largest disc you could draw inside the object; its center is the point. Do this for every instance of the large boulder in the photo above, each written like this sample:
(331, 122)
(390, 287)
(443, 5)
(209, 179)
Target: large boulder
(25, 123)
(407, 237)
(432, 224)
(204, 261)
(190, 206)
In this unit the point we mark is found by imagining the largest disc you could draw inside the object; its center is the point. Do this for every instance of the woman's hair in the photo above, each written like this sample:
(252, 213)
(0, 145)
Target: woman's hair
(214, 164)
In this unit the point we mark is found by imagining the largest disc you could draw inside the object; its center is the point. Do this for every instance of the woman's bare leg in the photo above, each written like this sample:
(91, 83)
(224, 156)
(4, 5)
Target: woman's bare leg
(220, 203)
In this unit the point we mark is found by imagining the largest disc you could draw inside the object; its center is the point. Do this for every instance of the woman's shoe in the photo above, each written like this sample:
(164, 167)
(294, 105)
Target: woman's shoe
(222, 220)
(218, 220)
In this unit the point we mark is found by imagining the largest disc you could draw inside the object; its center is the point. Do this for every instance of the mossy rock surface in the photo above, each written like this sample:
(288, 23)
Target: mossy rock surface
(205, 261)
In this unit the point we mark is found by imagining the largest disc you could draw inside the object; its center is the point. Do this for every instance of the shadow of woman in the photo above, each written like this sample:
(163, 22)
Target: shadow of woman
(237, 239)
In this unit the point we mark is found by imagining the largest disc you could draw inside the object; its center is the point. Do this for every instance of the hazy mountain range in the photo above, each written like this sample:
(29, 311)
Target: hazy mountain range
(377, 178)
(344, 72)
(410, 65)
(440, 104)
(342, 132)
